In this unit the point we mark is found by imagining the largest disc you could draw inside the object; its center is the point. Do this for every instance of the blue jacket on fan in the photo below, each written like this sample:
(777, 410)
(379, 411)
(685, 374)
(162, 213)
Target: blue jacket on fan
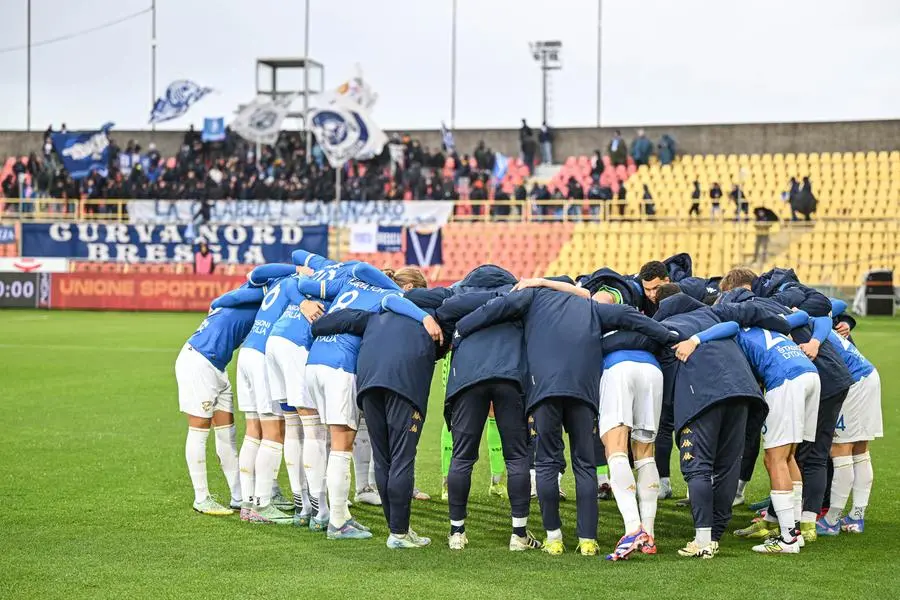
(716, 372)
(396, 352)
(496, 352)
(563, 338)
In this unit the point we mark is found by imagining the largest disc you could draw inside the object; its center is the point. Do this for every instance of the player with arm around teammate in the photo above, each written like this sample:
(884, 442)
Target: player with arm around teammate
(858, 424)
(394, 371)
(331, 376)
(204, 392)
(564, 353)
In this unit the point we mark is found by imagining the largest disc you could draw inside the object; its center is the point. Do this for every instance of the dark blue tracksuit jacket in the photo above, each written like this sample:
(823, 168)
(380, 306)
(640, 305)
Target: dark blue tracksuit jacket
(631, 290)
(396, 352)
(782, 286)
(562, 339)
(718, 371)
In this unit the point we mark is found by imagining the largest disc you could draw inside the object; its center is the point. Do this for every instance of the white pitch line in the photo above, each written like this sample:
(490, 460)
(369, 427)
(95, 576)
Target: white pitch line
(88, 348)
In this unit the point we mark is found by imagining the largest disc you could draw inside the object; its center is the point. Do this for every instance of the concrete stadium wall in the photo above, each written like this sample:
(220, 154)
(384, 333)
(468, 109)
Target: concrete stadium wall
(849, 136)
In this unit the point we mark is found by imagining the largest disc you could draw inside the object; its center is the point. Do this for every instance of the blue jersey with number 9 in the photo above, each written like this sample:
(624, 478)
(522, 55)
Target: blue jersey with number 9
(341, 351)
(292, 325)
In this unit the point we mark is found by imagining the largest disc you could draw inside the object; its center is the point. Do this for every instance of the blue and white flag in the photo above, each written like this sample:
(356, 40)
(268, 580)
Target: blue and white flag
(501, 166)
(355, 90)
(424, 248)
(179, 97)
(345, 131)
(83, 152)
(447, 138)
(389, 238)
(213, 129)
(260, 120)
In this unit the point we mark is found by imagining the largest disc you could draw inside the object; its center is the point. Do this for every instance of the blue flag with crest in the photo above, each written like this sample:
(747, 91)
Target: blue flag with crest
(213, 129)
(83, 152)
(179, 97)
(501, 166)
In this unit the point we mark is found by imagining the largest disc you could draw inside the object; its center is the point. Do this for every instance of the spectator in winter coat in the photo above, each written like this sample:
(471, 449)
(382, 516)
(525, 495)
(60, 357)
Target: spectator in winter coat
(545, 137)
(618, 150)
(641, 149)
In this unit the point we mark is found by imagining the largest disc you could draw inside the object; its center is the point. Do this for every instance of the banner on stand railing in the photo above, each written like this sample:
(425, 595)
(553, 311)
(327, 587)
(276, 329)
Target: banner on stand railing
(242, 244)
(251, 212)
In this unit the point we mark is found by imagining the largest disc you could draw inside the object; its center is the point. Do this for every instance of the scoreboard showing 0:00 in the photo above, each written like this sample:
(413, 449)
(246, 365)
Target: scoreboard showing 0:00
(18, 290)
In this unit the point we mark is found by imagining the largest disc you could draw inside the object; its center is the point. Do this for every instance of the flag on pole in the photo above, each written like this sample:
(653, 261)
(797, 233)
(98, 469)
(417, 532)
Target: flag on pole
(345, 131)
(260, 120)
(501, 166)
(179, 97)
(447, 138)
(213, 129)
(355, 90)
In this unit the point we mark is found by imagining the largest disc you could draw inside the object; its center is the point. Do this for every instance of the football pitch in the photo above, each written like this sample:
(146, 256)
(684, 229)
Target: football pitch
(97, 500)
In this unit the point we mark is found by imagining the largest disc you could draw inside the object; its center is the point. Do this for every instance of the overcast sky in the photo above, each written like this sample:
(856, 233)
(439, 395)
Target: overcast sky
(663, 61)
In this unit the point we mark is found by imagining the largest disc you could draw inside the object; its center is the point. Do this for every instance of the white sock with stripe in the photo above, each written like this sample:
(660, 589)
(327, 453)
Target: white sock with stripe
(863, 476)
(624, 489)
(268, 462)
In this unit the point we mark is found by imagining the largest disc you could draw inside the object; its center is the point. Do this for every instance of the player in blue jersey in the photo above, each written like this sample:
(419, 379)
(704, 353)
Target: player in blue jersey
(331, 375)
(286, 349)
(204, 392)
(792, 388)
(858, 424)
(262, 448)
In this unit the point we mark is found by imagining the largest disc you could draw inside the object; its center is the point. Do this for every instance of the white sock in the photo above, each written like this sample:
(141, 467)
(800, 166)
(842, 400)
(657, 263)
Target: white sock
(195, 455)
(703, 536)
(559, 479)
(315, 459)
(798, 500)
(808, 516)
(247, 464)
(863, 476)
(554, 534)
(372, 481)
(648, 491)
(226, 450)
(841, 484)
(624, 487)
(602, 478)
(742, 485)
(783, 503)
(519, 522)
(293, 456)
(665, 483)
(362, 455)
(533, 474)
(338, 481)
(268, 461)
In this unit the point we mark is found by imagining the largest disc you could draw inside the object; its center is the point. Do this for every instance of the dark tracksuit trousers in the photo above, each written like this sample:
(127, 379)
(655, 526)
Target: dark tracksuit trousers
(470, 413)
(813, 457)
(711, 446)
(395, 426)
(664, 440)
(752, 442)
(579, 420)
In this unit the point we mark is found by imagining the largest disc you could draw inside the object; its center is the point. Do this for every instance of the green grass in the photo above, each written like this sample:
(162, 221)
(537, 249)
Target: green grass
(97, 499)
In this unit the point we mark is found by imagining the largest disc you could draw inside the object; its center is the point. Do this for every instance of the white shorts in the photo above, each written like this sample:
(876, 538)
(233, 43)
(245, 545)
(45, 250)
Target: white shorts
(286, 369)
(860, 418)
(333, 391)
(252, 384)
(793, 411)
(202, 388)
(631, 394)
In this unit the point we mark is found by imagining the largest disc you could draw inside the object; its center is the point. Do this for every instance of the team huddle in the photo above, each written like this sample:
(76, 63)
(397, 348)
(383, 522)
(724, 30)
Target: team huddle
(336, 362)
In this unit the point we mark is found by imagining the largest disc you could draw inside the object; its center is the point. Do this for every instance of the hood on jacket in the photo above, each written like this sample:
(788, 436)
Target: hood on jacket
(631, 291)
(679, 266)
(427, 298)
(676, 305)
(774, 281)
(485, 277)
(738, 294)
(562, 278)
